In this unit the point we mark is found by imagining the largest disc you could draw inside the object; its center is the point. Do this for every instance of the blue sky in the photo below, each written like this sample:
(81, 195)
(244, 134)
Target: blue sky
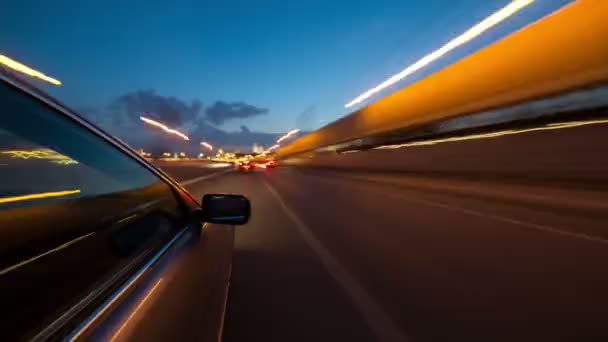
(286, 56)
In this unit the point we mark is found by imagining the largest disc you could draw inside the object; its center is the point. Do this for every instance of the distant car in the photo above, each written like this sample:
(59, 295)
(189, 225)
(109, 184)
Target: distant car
(90, 229)
(271, 163)
(245, 166)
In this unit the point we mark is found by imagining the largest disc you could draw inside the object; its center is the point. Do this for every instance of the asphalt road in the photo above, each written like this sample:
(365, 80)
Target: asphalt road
(329, 257)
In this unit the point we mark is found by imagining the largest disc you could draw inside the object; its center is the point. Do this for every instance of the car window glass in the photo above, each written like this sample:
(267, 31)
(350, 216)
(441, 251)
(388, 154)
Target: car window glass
(42, 153)
(72, 207)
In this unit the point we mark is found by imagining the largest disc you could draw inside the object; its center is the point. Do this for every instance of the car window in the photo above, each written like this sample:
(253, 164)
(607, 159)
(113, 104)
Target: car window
(31, 174)
(74, 210)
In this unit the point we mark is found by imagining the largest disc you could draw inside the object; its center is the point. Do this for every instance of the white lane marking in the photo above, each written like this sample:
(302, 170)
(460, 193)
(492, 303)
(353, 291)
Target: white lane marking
(220, 336)
(202, 178)
(56, 249)
(525, 224)
(380, 322)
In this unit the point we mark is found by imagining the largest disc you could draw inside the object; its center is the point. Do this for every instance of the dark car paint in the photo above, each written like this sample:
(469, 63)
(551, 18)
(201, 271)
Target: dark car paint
(47, 300)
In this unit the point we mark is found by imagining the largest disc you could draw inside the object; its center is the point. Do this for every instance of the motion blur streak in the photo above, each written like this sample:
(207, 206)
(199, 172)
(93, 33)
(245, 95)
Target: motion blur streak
(56, 249)
(27, 70)
(289, 134)
(207, 145)
(164, 128)
(217, 165)
(38, 196)
(497, 134)
(38, 154)
(468, 35)
(143, 301)
(273, 147)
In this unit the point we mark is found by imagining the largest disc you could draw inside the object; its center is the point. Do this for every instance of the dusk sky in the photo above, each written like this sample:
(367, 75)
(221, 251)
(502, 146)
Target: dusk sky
(280, 58)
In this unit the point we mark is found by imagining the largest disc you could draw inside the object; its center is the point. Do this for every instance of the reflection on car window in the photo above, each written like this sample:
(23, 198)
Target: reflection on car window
(72, 207)
(33, 174)
(44, 158)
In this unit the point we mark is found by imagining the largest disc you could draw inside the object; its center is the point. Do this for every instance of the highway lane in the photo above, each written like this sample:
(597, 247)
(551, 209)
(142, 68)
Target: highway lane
(190, 170)
(324, 250)
(279, 290)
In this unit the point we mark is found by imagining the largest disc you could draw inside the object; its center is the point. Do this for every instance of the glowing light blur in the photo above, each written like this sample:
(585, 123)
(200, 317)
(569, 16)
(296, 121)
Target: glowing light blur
(289, 134)
(52, 156)
(164, 128)
(217, 165)
(22, 68)
(548, 127)
(37, 154)
(12, 199)
(143, 301)
(207, 145)
(64, 162)
(465, 37)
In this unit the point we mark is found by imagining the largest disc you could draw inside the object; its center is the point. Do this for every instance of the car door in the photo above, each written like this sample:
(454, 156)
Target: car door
(80, 216)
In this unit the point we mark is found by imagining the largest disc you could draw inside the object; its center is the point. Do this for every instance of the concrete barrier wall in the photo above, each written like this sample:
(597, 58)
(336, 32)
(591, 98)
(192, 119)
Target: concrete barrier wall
(577, 154)
(564, 51)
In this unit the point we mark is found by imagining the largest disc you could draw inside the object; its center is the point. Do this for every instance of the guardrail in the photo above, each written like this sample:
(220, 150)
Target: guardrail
(560, 53)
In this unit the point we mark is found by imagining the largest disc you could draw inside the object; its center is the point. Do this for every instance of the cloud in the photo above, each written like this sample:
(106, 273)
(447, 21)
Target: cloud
(222, 111)
(121, 118)
(168, 109)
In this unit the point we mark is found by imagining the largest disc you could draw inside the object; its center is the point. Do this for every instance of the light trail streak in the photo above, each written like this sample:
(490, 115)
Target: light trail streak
(207, 145)
(548, 127)
(289, 134)
(21, 198)
(143, 301)
(22, 68)
(273, 147)
(164, 128)
(64, 162)
(56, 249)
(270, 149)
(465, 37)
(40, 154)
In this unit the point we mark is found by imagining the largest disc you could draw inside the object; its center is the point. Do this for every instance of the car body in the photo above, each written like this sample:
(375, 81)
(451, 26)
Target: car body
(246, 166)
(90, 229)
(271, 163)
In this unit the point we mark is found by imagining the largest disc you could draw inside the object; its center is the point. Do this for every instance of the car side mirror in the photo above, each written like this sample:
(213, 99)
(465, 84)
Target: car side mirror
(225, 209)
